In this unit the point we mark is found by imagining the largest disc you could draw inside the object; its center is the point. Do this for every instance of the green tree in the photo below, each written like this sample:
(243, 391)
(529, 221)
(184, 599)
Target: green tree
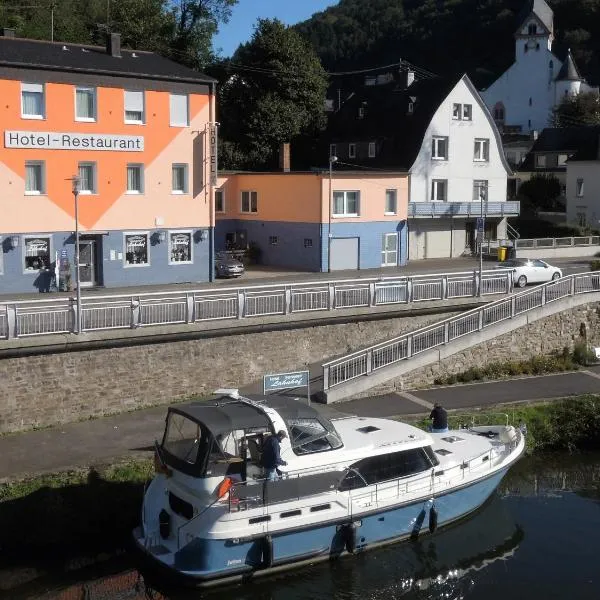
(541, 192)
(579, 110)
(274, 91)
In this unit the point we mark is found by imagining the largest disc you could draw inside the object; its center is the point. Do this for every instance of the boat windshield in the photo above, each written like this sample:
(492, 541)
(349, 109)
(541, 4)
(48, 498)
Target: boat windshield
(182, 438)
(308, 436)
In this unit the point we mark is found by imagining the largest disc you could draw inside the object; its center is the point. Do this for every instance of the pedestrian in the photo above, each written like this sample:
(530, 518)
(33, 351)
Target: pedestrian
(271, 455)
(439, 418)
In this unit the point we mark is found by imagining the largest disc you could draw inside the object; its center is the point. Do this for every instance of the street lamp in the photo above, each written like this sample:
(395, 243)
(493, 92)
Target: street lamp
(481, 233)
(332, 159)
(76, 186)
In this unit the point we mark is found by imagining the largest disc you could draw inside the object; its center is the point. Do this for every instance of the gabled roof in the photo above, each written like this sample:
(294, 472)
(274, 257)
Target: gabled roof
(75, 58)
(569, 70)
(387, 119)
(541, 10)
(579, 141)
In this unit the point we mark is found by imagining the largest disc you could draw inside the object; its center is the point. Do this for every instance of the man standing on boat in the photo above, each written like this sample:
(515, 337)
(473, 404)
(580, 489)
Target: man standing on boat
(271, 457)
(439, 418)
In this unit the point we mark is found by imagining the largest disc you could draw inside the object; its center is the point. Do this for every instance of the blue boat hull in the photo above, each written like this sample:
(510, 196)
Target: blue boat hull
(211, 562)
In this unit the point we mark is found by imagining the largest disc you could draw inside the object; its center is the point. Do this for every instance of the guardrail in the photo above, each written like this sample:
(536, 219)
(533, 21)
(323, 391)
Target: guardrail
(46, 317)
(463, 209)
(366, 361)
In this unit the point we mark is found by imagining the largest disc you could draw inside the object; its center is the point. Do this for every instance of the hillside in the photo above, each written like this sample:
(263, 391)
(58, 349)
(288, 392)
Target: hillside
(446, 36)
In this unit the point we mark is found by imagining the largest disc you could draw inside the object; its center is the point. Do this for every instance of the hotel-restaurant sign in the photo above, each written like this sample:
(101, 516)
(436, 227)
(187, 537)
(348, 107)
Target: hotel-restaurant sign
(56, 140)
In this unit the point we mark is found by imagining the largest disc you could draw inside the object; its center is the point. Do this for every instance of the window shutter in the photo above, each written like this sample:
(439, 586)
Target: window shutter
(179, 110)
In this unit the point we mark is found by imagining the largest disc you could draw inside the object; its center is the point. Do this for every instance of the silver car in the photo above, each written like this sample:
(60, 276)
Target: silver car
(228, 266)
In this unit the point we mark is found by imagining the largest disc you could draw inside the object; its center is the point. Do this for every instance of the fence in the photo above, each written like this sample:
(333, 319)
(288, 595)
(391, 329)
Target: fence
(366, 361)
(45, 317)
(542, 243)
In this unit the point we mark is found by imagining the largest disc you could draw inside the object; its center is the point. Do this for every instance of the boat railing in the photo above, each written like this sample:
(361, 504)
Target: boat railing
(465, 420)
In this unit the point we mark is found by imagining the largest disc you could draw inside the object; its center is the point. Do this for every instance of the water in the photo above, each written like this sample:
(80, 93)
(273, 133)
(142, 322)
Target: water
(536, 539)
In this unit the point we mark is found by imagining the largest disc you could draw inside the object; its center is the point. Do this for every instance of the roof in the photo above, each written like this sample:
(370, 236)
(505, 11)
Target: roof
(580, 141)
(386, 118)
(542, 11)
(569, 70)
(60, 56)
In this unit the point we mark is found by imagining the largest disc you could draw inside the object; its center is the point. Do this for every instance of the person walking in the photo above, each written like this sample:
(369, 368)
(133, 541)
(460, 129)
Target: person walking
(271, 455)
(439, 419)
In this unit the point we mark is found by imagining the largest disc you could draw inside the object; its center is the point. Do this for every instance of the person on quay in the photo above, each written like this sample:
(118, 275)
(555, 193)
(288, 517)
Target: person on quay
(271, 455)
(439, 419)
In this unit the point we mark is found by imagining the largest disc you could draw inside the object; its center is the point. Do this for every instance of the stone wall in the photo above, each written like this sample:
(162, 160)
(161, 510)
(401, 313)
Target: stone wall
(539, 338)
(44, 390)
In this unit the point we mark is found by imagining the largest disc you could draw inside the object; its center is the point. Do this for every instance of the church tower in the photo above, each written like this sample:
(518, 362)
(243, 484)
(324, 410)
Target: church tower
(536, 29)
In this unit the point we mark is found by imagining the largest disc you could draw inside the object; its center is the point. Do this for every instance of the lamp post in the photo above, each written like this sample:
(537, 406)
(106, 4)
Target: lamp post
(482, 200)
(76, 183)
(332, 159)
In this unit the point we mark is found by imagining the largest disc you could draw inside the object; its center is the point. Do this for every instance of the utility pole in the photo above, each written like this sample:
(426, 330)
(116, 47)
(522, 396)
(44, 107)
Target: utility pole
(332, 159)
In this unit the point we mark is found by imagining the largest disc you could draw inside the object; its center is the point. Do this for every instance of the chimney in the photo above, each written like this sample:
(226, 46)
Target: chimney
(8, 33)
(113, 44)
(534, 134)
(284, 157)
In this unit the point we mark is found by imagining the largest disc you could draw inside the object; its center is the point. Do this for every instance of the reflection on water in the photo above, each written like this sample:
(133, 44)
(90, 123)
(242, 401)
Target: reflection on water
(525, 542)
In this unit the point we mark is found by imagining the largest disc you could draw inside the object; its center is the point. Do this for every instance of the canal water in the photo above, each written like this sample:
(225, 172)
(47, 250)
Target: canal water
(537, 538)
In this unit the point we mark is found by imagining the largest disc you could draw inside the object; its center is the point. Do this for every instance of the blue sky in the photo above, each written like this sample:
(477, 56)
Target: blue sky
(245, 12)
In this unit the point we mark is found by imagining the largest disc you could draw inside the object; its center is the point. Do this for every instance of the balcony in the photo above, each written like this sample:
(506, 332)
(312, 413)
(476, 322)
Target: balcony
(463, 209)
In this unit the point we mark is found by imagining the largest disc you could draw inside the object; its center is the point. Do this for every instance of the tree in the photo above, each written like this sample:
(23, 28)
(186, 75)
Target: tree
(579, 110)
(274, 91)
(541, 192)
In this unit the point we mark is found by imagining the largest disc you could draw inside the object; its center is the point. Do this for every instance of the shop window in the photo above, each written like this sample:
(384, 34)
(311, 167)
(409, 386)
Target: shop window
(37, 253)
(180, 247)
(136, 250)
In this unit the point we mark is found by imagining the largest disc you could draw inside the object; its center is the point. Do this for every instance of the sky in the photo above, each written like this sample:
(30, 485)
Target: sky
(245, 12)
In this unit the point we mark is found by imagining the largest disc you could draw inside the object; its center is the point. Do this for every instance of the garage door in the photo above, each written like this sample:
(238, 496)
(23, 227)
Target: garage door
(344, 253)
(430, 239)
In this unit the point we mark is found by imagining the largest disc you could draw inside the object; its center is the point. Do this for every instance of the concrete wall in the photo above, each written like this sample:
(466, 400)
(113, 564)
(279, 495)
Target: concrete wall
(565, 252)
(58, 388)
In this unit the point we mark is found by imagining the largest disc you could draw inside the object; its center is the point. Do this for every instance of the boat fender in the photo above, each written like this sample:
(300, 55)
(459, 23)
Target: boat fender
(267, 552)
(433, 519)
(224, 487)
(350, 537)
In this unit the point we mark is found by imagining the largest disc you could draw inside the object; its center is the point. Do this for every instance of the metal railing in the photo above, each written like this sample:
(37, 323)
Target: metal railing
(589, 240)
(463, 209)
(45, 317)
(366, 361)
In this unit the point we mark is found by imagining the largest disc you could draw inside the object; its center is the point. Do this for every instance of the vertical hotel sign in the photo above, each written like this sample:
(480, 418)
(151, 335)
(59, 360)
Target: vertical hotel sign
(212, 140)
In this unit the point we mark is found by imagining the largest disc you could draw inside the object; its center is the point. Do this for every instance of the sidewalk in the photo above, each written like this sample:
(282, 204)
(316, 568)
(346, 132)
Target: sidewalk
(133, 434)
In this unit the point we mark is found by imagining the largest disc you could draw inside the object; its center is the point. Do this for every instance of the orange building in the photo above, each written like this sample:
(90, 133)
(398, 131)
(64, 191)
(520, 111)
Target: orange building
(136, 130)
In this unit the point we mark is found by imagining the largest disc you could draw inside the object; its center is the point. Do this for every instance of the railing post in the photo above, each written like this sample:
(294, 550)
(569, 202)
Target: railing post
(74, 319)
(287, 305)
(372, 298)
(572, 286)
(544, 287)
(480, 316)
(445, 287)
(369, 361)
(326, 377)
(241, 304)
(135, 313)
(513, 306)
(446, 333)
(409, 346)
(476, 284)
(190, 306)
(11, 318)
(409, 290)
(331, 296)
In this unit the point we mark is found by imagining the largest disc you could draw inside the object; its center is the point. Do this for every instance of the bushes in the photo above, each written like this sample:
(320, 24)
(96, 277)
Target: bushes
(595, 265)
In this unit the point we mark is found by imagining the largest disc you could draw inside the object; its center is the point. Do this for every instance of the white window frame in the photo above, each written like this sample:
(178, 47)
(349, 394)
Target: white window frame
(562, 160)
(477, 186)
(174, 122)
(35, 89)
(332, 149)
(351, 150)
(172, 232)
(346, 213)
(435, 187)
(540, 161)
(222, 192)
(579, 187)
(24, 239)
(94, 103)
(481, 150)
(435, 147)
(126, 265)
(395, 211)
(42, 165)
(134, 121)
(456, 111)
(249, 211)
(372, 150)
(140, 167)
(185, 178)
(467, 112)
(94, 189)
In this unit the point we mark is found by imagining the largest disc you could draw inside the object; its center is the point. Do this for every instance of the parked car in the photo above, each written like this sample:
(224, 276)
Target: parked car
(228, 266)
(532, 270)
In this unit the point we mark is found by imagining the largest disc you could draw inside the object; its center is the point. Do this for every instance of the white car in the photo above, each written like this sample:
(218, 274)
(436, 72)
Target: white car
(531, 270)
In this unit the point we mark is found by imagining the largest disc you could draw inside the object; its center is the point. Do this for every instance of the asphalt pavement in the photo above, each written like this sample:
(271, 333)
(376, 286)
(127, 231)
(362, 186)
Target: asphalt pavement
(132, 434)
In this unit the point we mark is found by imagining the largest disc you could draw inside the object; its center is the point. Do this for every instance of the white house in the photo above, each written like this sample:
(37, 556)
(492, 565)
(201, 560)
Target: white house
(441, 132)
(526, 94)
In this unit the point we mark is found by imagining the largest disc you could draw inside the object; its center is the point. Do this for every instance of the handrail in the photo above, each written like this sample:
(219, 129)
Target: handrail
(367, 360)
(27, 318)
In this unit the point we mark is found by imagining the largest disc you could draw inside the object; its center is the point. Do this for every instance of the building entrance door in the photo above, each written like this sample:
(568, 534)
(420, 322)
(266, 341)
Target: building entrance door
(87, 263)
(389, 250)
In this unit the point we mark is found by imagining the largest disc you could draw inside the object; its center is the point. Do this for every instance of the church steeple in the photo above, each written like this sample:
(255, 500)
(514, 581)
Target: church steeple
(536, 27)
(569, 70)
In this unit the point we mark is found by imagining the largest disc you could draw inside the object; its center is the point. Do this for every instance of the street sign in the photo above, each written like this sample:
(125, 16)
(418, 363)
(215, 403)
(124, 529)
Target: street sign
(287, 381)
(480, 224)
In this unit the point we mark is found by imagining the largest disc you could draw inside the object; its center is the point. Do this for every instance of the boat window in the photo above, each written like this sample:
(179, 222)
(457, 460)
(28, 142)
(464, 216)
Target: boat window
(182, 438)
(431, 455)
(320, 507)
(308, 436)
(181, 507)
(368, 429)
(352, 481)
(443, 452)
(453, 438)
